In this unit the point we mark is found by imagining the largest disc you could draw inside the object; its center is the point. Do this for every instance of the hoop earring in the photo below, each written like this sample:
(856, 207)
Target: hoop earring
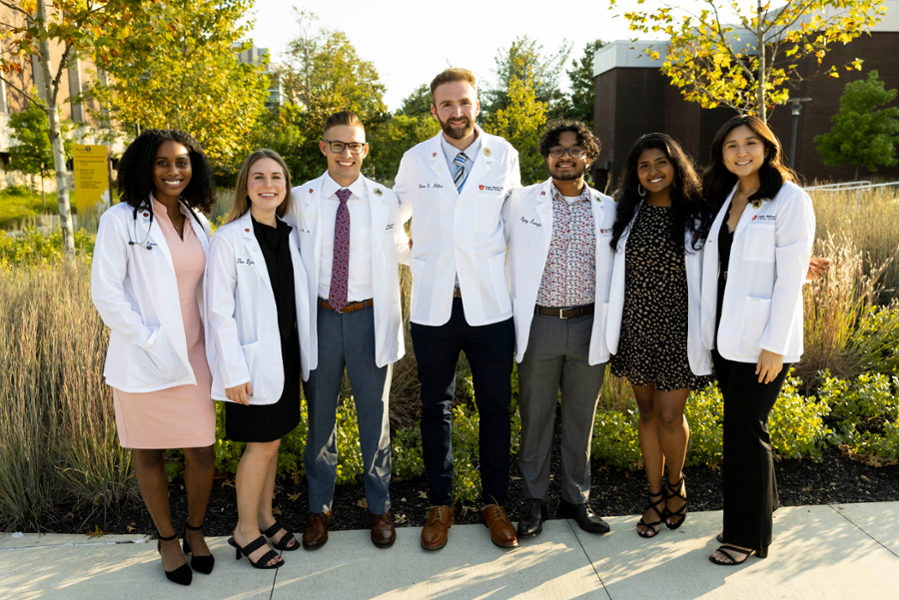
(641, 190)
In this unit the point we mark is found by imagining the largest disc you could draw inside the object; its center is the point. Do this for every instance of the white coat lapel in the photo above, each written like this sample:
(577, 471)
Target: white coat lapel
(482, 164)
(599, 216)
(157, 238)
(380, 212)
(544, 208)
(749, 214)
(253, 251)
(437, 160)
(312, 204)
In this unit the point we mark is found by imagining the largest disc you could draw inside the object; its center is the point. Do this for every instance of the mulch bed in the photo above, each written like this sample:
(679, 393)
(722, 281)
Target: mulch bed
(836, 479)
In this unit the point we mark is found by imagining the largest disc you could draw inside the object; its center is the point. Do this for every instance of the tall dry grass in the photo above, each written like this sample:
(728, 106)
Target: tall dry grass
(870, 220)
(57, 429)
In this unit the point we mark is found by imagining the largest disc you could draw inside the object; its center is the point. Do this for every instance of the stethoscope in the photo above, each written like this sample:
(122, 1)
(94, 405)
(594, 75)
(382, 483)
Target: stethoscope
(143, 244)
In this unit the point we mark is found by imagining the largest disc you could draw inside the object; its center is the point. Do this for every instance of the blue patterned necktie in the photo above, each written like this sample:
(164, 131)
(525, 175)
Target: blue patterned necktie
(460, 176)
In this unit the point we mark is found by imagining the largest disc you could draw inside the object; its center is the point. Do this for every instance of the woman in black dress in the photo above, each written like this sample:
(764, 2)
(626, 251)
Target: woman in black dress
(658, 235)
(259, 318)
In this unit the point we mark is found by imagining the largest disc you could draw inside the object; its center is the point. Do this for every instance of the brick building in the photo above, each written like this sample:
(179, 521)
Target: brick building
(633, 97)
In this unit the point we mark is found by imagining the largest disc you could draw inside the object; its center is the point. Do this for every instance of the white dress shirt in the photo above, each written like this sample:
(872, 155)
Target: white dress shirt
(359, 286)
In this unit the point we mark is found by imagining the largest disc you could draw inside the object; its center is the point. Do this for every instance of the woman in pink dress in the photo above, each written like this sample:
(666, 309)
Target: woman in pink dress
(147, 284)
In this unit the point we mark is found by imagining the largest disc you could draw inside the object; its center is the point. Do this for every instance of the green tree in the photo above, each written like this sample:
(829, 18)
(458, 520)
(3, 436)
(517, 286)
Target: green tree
(748, 66)
(521, 123)
(34, 155)
(583, 88)
(861, 134)
(91, 29)
(390, 139)
(524, 59)
(418, 103)
(323, 75)
(192, 78)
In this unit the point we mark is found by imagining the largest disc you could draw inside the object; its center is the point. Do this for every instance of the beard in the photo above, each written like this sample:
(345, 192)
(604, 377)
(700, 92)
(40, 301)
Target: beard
(456, 133)
(569, 176)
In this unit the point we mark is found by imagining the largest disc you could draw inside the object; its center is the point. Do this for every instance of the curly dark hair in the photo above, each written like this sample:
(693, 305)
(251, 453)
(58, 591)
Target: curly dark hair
(586, 139)
(135, 180)
(717, 181)
(689, 212)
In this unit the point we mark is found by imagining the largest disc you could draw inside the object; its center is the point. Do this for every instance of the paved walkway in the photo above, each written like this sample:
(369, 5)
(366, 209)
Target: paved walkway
(844, 552)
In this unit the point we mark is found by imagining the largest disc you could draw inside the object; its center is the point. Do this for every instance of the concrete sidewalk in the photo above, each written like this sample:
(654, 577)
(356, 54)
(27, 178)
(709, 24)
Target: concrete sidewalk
(844, 552)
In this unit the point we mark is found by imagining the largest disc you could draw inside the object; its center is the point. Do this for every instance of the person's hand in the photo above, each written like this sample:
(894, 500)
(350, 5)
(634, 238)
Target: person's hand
(817, 267)
(410, 243)
(240, 393)
(769, 366)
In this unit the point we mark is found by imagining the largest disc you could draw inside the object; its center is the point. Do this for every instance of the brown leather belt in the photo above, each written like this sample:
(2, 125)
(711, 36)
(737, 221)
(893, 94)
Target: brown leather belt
(565, 313)
(351, 307)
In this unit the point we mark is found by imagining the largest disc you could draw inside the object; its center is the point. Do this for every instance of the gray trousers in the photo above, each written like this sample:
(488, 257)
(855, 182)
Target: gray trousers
(556, 357)
(348, 340)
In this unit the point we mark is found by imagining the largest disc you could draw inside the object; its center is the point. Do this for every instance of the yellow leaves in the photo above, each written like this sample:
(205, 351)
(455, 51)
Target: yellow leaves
(96, 533)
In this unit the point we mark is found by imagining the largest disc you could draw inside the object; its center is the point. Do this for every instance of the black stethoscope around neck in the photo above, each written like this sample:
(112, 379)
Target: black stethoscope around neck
(149, 206)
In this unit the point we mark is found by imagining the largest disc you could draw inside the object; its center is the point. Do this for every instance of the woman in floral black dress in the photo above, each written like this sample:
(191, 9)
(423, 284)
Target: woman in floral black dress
(653, 331)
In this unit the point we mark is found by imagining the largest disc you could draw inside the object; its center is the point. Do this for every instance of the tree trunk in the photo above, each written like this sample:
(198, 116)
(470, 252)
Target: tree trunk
(762, 76)
(856, 173)
(59, 158)
(43, 193)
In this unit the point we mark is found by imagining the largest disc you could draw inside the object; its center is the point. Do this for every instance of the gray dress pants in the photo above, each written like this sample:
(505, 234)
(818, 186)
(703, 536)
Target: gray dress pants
(556, 357)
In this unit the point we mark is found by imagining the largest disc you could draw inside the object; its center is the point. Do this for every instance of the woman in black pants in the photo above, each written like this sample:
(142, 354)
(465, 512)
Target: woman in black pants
(755, 262)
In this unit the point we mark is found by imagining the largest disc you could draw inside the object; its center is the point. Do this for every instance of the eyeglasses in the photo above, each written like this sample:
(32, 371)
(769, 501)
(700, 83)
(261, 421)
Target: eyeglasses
(338, 147)
(573, 152)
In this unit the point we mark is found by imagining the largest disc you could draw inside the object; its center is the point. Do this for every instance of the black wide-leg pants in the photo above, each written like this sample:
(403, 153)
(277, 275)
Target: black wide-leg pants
(750, 488)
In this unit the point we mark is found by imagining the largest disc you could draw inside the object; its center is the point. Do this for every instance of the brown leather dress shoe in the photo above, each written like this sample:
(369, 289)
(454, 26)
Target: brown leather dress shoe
(383, 534)
(501, 531)
(316, 533)
(434, 533)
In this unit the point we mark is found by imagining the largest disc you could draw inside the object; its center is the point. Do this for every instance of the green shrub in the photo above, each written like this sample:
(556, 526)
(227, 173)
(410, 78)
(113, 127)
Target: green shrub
(34, 247)
(796, 423)
(705, 414)
(615, 438)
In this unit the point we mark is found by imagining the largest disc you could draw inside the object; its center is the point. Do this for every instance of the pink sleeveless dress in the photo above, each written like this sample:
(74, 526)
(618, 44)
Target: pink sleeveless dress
(182, 416)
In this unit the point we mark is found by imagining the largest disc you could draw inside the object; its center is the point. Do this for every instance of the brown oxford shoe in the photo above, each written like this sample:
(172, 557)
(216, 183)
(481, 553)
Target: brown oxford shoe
(434, 533)
(316, 533)
(383, 534)
(501, 531)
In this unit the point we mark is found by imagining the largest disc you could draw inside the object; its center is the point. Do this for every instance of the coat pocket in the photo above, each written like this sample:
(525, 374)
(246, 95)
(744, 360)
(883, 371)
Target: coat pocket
(760, 241)
(154, 364)
(756, 314)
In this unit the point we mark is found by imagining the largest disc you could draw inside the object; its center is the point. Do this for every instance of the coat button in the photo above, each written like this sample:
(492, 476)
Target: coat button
(439, 168)
(312, 216)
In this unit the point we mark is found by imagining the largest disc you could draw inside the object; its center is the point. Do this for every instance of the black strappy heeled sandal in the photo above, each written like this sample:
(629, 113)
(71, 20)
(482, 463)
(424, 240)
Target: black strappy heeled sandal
(676, 491)
(256, 544)
(726, 551)
(285, 539)
(655, 526)
(182, 575)
(200, 564)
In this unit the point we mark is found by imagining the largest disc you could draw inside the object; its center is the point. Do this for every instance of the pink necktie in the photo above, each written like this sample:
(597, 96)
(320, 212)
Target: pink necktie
(340, 268)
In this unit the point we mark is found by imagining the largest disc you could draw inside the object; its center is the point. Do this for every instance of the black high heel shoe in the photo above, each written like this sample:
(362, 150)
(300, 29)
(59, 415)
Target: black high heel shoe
(182, 575)
(656, 525)
(200, 564)
(256, 544)
(676, 491)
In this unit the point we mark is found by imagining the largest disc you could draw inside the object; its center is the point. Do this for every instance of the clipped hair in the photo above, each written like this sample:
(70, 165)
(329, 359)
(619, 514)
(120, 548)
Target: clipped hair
(135, 178)
(344, 117)
(453, 74)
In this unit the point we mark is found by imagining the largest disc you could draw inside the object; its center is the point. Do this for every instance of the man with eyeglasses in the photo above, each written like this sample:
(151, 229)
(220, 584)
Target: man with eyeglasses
(455, 184)
(350, 243)
(561, 263)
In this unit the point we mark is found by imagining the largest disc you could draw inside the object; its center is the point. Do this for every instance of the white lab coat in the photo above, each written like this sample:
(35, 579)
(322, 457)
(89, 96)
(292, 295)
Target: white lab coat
(528, 220)
(453, 233)
(389, 244)
(135, 291)
(698, 355)
(769, 259)
(243, 339)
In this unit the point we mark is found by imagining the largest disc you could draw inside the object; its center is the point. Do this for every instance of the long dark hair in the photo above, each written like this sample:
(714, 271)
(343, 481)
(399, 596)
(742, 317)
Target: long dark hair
(688, 210)
(135, 180)
(717, 181)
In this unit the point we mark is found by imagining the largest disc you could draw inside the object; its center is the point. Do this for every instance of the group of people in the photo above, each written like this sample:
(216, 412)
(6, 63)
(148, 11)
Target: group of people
(676, 275)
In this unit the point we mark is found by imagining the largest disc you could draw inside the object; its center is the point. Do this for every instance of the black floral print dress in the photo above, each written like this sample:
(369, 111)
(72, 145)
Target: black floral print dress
(652, 348)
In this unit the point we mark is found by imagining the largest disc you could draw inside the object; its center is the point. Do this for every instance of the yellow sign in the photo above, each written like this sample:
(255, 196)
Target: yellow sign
(92, 177)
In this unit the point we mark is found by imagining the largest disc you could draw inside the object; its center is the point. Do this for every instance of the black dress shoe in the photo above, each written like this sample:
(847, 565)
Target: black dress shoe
(532, 517)
(583, 516)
